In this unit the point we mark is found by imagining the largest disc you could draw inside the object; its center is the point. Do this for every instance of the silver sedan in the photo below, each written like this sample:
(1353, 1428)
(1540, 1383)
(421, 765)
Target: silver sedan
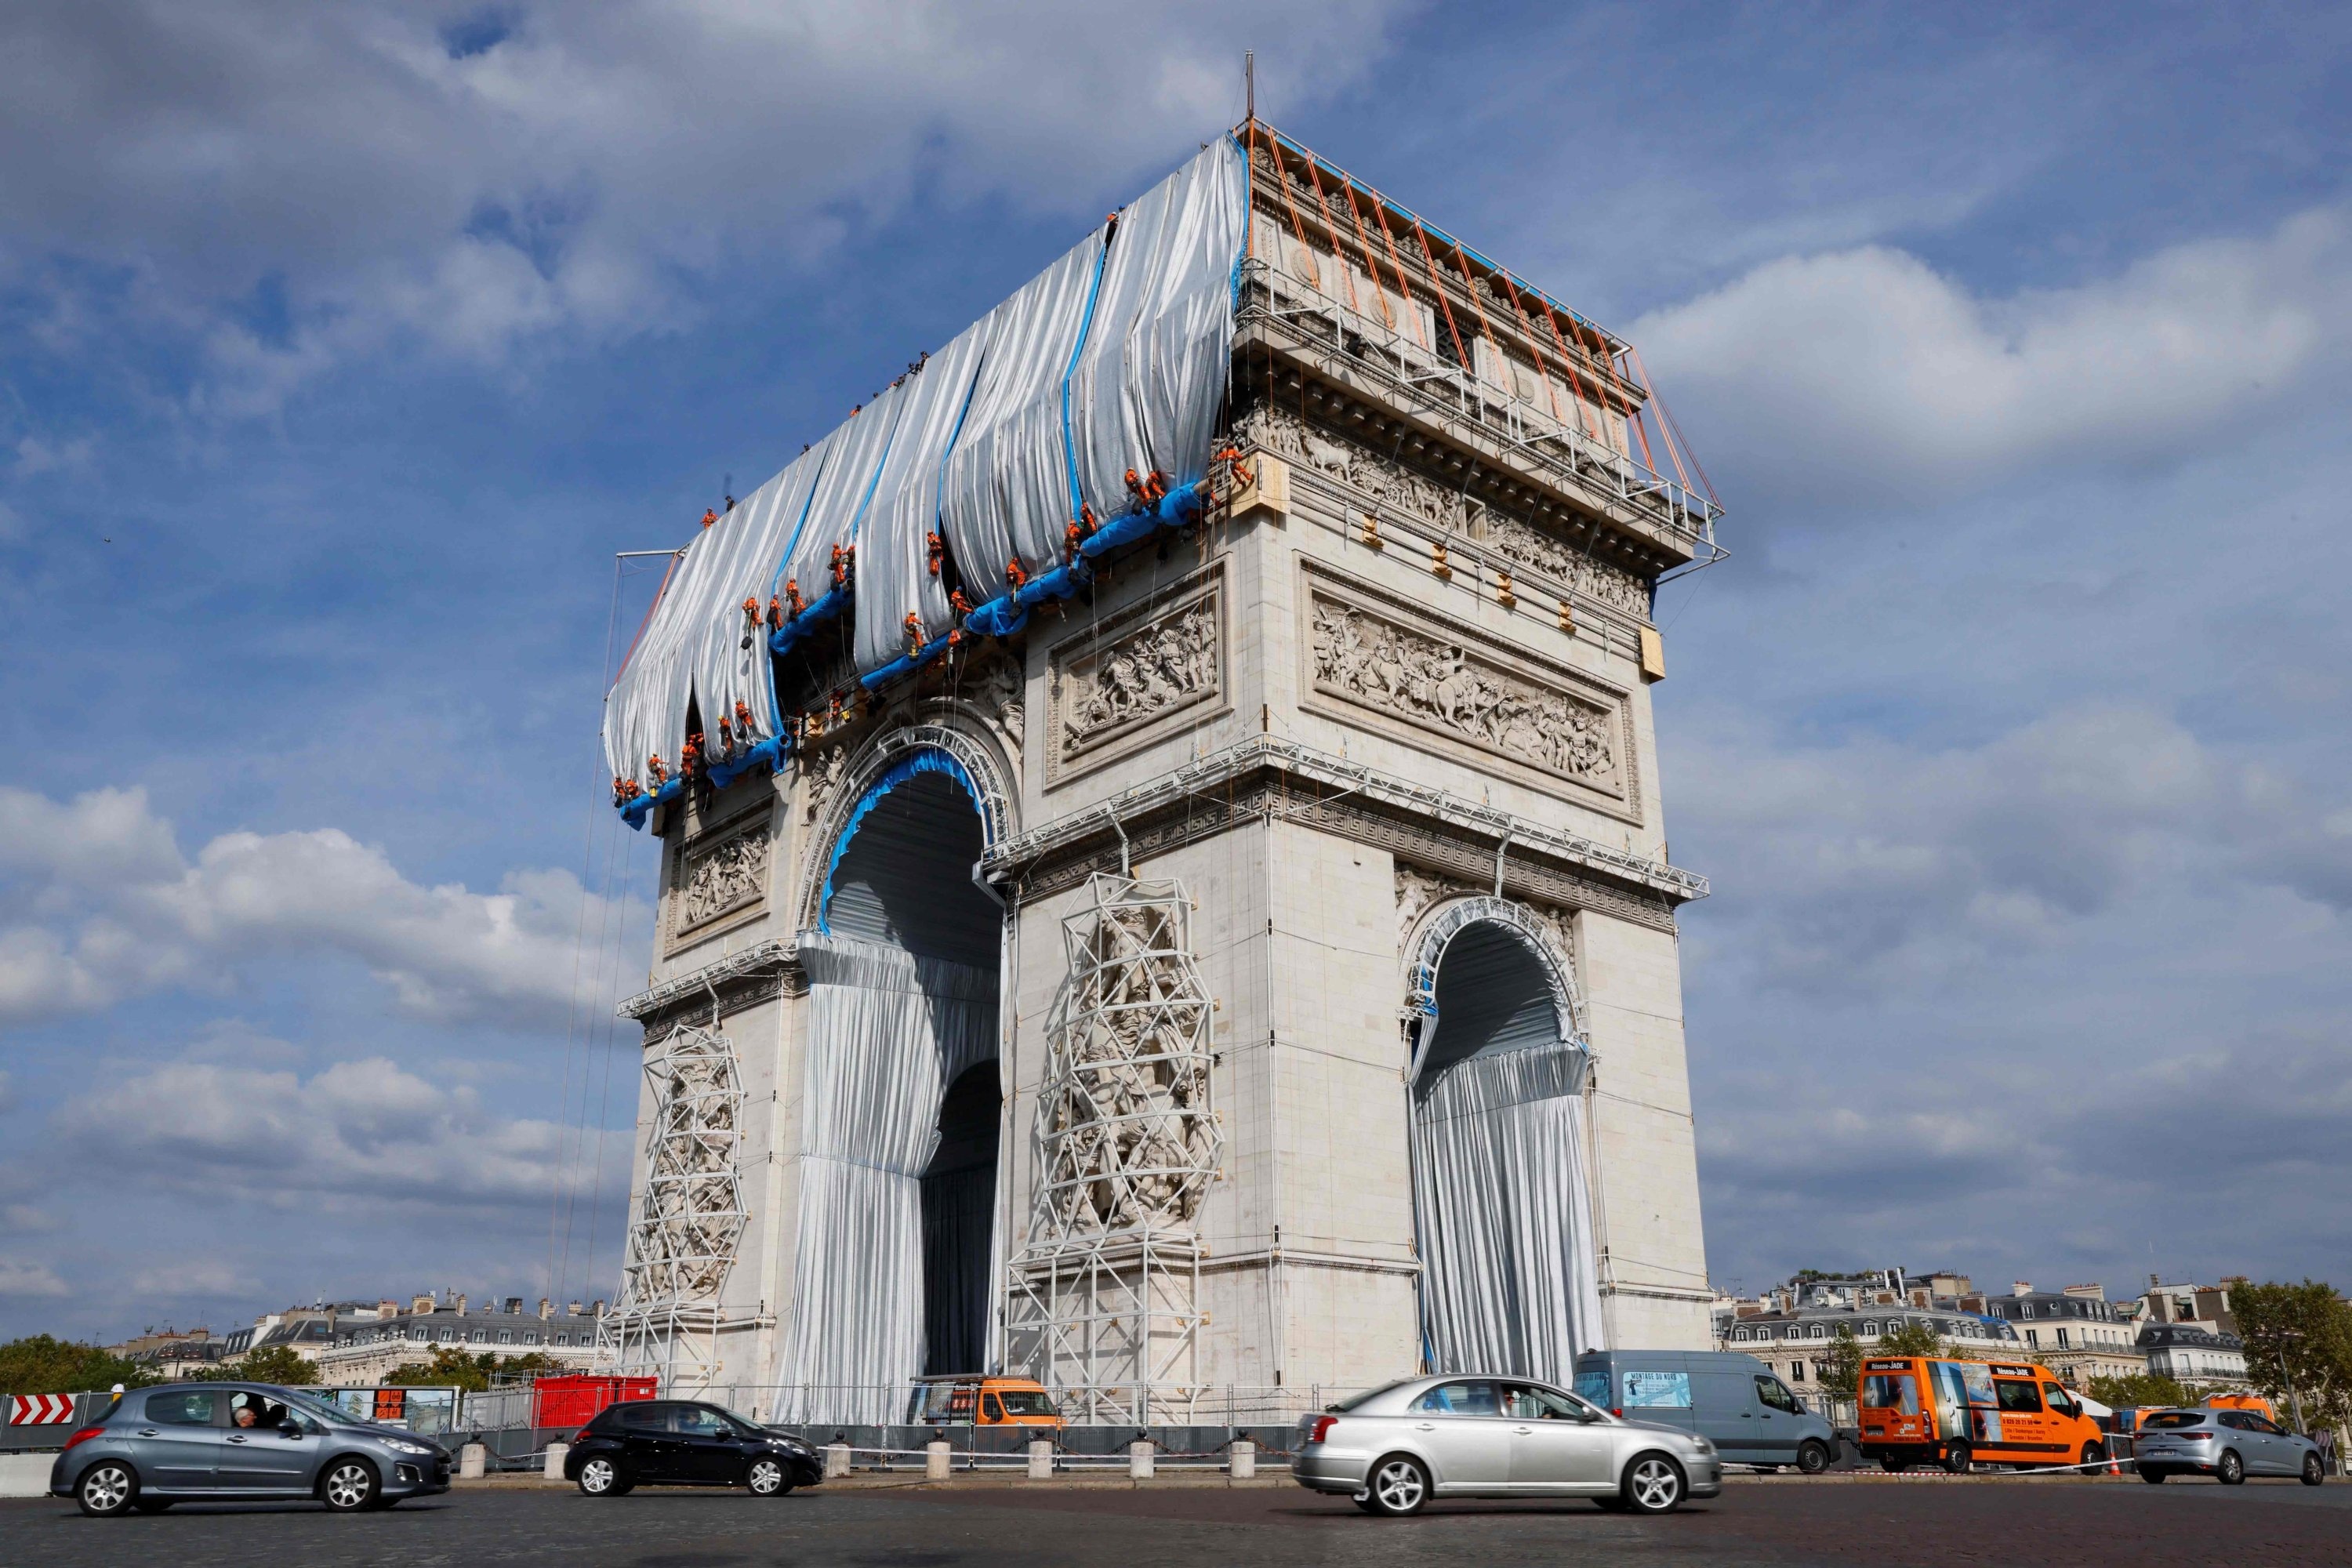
(2228, 1445)
(1394, 1448)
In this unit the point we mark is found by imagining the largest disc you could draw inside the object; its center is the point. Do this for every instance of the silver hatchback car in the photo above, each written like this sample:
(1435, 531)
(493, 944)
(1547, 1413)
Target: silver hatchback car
(2228, 1445)
(239, 1442)
(1394, 1448)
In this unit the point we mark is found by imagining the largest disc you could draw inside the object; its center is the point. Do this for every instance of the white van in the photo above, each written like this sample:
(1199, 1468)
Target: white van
(1732, 1400)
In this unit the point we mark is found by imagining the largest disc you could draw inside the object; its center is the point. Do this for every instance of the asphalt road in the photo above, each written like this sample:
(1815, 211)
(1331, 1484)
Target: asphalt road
(1845, 1523)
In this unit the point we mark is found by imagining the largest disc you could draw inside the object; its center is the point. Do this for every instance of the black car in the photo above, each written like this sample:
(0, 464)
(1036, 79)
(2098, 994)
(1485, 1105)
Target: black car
(676, 1442)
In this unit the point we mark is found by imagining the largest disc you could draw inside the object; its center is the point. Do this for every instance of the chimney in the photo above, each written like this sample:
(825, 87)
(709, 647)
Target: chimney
(2021, 1287)
(513, 1307)
(596, 1307)
(546, 1309)
(460, 1300)
(572, 1309)
(421, 1303)
(387, 1307)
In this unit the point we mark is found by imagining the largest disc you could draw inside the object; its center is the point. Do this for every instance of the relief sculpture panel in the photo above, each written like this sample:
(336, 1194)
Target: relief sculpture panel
(1397, 669)
(721, 880)
(1110, 691)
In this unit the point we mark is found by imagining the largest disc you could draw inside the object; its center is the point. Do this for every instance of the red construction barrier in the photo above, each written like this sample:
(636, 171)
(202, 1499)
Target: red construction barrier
(575, 1399)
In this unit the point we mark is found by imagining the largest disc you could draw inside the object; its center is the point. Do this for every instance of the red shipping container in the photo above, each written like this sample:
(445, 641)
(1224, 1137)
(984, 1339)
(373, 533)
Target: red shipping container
(575, 1399)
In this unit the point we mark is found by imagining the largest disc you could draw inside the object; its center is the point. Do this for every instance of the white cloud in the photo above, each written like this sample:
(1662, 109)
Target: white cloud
(23, 1276)
(364, 1132)
(1856, 376)
(357, 171)
(117, 911)
(1872, 863)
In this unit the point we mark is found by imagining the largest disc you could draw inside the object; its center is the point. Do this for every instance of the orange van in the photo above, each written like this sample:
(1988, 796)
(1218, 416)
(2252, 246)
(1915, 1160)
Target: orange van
(983, 1401)
(1917, 1410)
(2254, 1401)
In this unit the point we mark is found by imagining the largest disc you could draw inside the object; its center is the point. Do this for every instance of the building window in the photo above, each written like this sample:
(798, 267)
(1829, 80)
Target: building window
(416, 1336)
(530, 1337)
(1870, 1330)
(2062, 1339)
(1819, 1332)
(1796, 1372)
(506, 1336)
(1740, 1335)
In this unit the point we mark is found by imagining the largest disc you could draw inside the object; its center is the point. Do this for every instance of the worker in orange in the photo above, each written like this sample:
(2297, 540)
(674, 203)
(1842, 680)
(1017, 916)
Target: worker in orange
(709, 517)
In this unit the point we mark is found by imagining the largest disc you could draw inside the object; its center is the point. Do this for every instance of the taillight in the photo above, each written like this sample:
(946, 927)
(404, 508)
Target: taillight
(2194, 1437)
(1618, 1411)
(1322, 1424)
(85, 1435)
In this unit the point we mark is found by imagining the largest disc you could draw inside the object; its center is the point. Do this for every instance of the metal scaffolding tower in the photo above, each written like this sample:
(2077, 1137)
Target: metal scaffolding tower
(682, 1239)
(1105, 1298)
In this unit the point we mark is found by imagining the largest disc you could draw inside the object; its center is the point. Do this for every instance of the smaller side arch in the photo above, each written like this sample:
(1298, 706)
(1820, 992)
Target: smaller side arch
(1437, 932)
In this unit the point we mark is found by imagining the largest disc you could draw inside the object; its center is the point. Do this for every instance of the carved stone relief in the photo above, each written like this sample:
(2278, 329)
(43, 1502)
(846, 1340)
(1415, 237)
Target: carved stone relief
(1163, 658)
(996, 686)
(824, 770)
(720, 878)
(1417, 674)
(1417, 890)
(1401, 490)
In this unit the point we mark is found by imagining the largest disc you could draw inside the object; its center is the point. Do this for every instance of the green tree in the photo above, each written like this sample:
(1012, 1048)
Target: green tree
(2139, 1391)
(41, 1363)
(2298, 1348)
(1840, 1369)
(274, 1363)
(453, 1368)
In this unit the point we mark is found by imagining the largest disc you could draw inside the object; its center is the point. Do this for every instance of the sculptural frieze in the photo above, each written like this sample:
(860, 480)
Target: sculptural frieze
(1453, 689)
(1106, 688)
(726, 876)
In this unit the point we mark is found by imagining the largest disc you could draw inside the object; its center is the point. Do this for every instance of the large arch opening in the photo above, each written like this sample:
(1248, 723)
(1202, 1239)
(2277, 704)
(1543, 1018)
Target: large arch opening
(901, 1127)
(1500, 1208)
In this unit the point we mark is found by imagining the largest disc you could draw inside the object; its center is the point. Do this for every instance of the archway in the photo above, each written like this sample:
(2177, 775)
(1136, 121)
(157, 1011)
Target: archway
(900, 1164)
(1500, 1208)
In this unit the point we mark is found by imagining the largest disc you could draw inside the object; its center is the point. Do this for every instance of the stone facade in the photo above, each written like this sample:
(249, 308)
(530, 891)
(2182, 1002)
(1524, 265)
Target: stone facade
(1328, 719)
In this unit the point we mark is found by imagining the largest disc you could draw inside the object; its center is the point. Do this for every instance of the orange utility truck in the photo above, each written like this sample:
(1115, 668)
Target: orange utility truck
(984, 1401)
(1917, 1410)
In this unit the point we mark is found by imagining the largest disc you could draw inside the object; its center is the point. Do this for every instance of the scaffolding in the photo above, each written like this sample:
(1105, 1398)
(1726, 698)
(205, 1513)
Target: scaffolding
(1104, 1300)
(689, 1222)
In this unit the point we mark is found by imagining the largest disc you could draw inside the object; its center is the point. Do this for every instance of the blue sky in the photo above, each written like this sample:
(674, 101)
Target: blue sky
(339, 348)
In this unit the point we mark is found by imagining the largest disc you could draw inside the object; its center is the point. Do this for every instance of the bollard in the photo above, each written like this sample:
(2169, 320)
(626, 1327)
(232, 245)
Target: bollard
(836, 1460)
(937, 1459)
(1139, 1461)
(1041, 1459)
(555, 1452)
(1242, 1462)
(472, 1459)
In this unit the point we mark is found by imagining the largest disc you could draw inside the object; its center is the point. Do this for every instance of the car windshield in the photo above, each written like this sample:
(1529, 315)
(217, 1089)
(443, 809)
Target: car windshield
(1352, 1401)
(1025, 1401)
(2165, 1419)
(324, 1409)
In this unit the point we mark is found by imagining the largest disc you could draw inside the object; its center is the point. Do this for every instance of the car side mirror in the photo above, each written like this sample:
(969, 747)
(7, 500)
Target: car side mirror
(290, 1429)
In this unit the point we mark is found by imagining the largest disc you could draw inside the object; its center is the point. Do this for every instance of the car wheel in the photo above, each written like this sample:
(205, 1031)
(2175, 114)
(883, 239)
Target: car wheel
(1956, 1458)
(349, 1486)
(2094, 1453)
(2314, 1473)
(1399, 1487)
(766, 1478)
(1653, 1484)
(1813, 1458)
(599, 1477)
(2153, 1477)
(107, 1488)
(2231, 1469)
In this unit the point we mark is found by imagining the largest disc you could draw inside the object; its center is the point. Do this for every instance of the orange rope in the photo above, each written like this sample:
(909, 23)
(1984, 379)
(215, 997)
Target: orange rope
(1379, 211)
(1635, 419)
(1663, 434)
(1314, 273)
(1485, 329)
(1332, 226)
(1372, 262)
(1543, 372)
(1597, 362)
(1461, 354)
(1584, 413)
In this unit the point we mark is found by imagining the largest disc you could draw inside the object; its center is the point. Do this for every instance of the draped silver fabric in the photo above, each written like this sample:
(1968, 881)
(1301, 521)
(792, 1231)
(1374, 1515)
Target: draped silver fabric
(894, 574)
(888, 1032)
(1007, 491)
(1114, 357)
(1501, 1203)
(1148, 381)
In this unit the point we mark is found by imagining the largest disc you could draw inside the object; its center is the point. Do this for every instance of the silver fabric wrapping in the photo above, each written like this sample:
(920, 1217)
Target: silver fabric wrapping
(1141, 335)
(1152, 372)
(1509, 1282)
(894, 574)
(1008, 482)
(888, 1032)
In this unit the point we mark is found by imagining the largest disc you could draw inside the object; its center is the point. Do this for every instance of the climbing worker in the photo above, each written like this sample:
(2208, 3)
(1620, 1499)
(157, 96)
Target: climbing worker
(938, 549)
(656, 771)
(709, 517)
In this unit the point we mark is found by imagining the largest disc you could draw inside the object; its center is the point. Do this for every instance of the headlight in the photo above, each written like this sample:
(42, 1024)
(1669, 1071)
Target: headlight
(403, 1445)
(1702, 1444)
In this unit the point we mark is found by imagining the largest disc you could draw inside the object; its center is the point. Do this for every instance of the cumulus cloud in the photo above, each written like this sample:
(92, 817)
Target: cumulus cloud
(116, 910)
(1872, 862)
(1856, 376)
(361, 1132)
(25, 1277)
(296, 181)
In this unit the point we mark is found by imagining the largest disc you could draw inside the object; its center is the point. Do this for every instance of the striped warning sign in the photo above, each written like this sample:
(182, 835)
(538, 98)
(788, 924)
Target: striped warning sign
(40, 1409)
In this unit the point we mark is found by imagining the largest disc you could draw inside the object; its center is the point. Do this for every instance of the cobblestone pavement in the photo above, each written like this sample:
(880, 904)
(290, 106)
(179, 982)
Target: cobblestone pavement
(1846, 1523)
